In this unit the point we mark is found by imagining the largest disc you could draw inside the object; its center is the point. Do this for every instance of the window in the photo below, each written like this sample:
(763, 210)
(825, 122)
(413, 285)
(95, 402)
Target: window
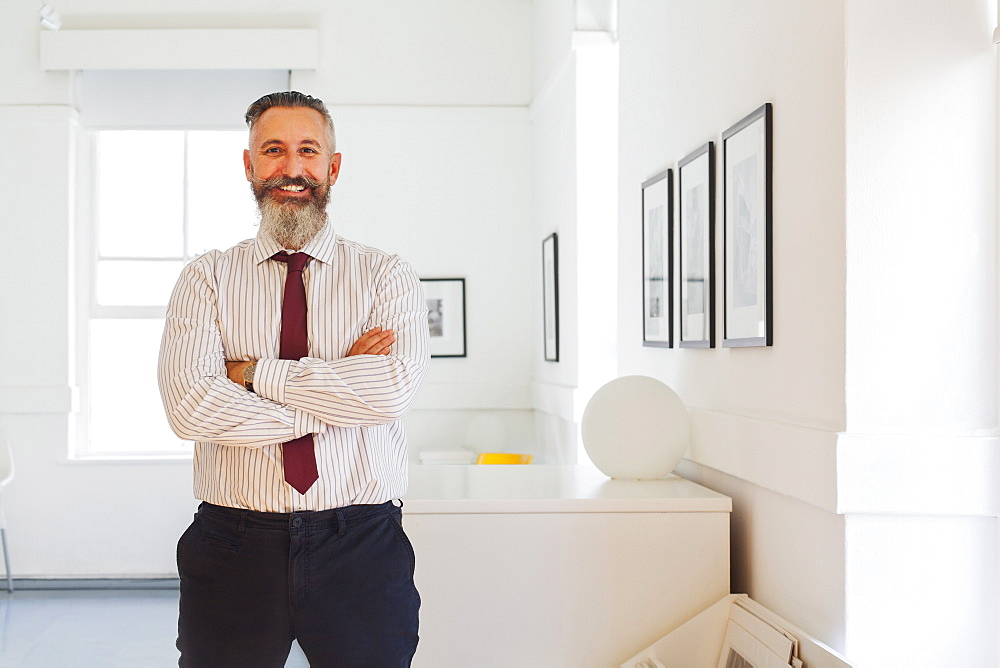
(160, 181)
(159, 199)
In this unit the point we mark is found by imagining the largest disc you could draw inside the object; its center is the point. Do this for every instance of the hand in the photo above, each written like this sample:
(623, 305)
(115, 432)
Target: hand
(373, 342)
(234, 369)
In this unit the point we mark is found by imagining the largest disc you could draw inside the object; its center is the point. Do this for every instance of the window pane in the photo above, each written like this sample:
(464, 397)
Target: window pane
(126, 414)
(127, 283)
(140, 197)
(221, 208)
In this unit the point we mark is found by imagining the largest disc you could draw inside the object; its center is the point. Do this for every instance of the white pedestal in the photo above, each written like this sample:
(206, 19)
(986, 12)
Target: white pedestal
(558, 565)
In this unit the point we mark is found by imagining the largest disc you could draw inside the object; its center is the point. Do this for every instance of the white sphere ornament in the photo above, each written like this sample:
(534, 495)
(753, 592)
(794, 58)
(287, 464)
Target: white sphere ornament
(636, 428)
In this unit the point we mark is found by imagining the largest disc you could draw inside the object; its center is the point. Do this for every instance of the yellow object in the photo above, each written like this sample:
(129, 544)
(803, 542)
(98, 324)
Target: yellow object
(502, 458)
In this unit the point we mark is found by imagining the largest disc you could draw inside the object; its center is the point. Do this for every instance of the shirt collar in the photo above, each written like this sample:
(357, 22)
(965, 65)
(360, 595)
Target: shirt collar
(321, 247)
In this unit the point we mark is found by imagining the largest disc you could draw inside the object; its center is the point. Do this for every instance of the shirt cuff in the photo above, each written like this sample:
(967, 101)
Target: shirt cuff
(270, 377)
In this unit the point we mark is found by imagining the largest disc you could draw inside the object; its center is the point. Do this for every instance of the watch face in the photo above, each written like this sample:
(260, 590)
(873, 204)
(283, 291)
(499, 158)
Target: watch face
(248, 373)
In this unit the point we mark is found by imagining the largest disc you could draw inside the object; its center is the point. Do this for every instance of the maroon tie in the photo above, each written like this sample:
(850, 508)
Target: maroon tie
(298, 455)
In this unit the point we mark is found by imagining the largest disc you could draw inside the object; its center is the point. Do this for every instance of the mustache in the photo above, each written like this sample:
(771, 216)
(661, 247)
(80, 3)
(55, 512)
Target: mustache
(278, 181)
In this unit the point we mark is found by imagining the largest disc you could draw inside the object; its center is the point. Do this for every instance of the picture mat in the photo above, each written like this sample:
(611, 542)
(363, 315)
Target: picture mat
(746, 232)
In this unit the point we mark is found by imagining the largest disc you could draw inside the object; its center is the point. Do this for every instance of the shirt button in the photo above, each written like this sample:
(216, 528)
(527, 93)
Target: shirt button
(297, 522)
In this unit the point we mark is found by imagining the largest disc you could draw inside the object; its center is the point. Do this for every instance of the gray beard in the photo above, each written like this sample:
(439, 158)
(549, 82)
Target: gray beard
(291, 225)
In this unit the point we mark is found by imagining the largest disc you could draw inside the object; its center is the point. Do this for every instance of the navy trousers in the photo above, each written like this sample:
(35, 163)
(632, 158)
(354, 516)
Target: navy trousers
(338, 581)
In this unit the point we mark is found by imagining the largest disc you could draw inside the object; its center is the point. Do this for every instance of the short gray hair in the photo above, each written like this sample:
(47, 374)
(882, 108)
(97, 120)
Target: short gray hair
(292, 98)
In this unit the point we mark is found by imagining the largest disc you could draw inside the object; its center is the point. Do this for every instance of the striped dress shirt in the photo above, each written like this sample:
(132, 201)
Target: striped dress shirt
(227, 306)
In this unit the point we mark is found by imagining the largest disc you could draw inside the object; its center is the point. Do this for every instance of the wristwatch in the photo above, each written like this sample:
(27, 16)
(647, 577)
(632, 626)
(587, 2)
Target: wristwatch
(248, 373)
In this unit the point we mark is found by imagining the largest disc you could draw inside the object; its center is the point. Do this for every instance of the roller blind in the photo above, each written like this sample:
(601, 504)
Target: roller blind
(165, 99)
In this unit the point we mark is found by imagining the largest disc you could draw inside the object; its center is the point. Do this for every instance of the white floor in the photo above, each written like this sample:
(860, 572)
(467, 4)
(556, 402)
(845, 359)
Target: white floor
(94, 628)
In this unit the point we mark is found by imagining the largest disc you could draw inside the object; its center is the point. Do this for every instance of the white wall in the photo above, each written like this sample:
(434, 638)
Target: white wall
(437, 167)
(921, 148)
(860, 449)
(447, 188)
(766, 419)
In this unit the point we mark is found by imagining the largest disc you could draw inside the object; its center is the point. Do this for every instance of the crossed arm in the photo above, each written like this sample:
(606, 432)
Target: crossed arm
(375, 341)
(204, 395)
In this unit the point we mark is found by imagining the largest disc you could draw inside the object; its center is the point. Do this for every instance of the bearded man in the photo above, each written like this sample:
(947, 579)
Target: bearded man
(289, 359)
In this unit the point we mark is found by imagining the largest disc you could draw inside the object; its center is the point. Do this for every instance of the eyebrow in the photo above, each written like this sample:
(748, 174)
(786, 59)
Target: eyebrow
(278, 142)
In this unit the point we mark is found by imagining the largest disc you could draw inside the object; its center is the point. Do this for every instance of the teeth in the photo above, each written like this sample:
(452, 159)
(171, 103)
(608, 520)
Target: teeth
(294, 189)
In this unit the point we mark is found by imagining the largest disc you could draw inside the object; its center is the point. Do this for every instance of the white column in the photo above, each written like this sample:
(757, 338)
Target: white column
(36, 299)
(919, 453)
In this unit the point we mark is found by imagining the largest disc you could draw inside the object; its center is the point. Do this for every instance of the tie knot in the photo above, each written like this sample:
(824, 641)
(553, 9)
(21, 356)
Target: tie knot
(296, 261)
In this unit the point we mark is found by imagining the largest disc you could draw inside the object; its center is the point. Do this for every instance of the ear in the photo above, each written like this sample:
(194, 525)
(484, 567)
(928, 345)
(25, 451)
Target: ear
(247, 167)
(335, 168)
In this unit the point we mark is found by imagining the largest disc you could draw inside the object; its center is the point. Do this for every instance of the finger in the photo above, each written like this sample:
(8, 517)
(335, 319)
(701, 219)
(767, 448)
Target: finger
(371, 336)
(377, 348)
(375, 341)
(384, 345)
(381, 340)
(364, 348)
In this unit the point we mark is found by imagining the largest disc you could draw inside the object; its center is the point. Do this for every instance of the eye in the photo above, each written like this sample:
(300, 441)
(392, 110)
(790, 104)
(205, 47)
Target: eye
(309, 150)
(274, 150)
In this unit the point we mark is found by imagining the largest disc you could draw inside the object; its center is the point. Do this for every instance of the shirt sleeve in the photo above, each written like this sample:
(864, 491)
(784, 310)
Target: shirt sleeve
(201, 402)
(361, 390)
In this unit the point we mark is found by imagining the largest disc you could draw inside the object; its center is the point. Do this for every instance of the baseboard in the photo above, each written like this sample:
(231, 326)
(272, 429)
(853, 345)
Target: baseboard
(71, 584)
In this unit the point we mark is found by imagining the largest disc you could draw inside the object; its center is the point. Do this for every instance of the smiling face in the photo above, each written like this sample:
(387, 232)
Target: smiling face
(291, 167)
(289, 158)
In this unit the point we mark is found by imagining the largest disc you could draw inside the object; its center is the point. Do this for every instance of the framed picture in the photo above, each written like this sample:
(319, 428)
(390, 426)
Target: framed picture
(696, 223)
(746, 148)
(550, 291)
(445, 315)
(657, 260)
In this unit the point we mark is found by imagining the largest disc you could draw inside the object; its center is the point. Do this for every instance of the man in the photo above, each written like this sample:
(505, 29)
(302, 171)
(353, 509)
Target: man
(292, 380)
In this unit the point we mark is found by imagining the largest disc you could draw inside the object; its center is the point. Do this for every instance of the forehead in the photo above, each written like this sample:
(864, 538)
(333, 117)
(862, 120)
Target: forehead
(289, 125)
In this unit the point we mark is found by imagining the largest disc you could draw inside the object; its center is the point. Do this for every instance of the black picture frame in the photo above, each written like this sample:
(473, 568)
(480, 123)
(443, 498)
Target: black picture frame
(657, 260)
(550, 297)
(445, 315)
(696, 247)
(747, 258)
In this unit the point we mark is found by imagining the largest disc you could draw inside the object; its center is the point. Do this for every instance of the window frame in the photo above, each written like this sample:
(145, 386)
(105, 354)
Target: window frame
(86, 260)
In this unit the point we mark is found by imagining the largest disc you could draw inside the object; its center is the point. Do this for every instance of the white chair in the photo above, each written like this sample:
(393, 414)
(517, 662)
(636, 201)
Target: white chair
(6, 475)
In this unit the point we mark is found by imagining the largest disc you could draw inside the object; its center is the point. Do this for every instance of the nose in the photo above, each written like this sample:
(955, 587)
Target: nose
(292, 166)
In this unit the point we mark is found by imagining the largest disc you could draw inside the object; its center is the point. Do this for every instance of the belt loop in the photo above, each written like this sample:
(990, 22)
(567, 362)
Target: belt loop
(393, 502)
(341, 523)
(243, 522)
